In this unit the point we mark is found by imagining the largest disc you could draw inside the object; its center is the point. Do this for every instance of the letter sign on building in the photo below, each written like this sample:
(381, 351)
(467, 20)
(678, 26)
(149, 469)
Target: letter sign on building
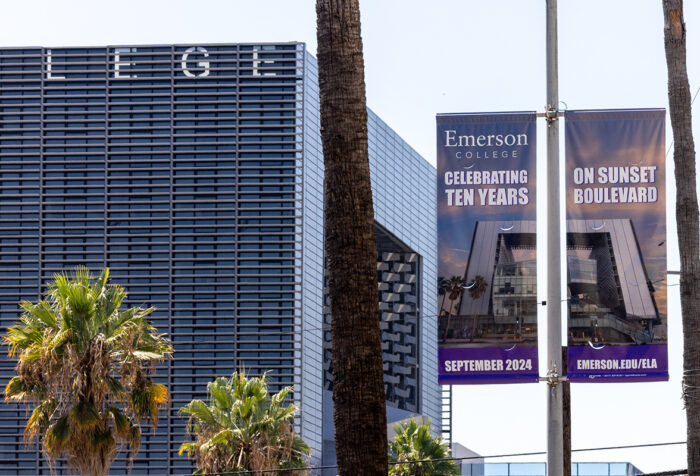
(120, 65)
(200, 64)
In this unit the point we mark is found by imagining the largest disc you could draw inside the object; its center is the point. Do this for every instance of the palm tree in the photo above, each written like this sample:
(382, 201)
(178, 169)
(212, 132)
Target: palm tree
(455, 290)
(243, 428)
(442, 291)
(415, 443)
(350, 244)
(85, 366)
(476, 289)
(679, 102)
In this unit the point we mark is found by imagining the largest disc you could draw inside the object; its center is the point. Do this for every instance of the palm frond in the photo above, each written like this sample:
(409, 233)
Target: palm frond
(134, 439)
(60, 339)
(121, 422)
(22, 336)
(279, 397)
(32, 354)
(114, 327)
(147, 356)
(41, 311)
(101, 439)
(59, 432)
(97, 288)
(85, 414)
(112, 300)
(145, 401)
(219, 391)
(199, 410)
(223, 437)
(40, 419)
(115, 386)
(159, 393)
(15, 389)
(189, 447)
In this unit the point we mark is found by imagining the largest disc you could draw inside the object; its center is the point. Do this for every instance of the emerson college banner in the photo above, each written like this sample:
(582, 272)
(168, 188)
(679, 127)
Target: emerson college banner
(616, 245)
(487, 321)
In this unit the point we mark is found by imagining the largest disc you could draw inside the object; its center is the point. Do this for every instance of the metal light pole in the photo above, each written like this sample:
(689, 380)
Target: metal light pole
(555, 427)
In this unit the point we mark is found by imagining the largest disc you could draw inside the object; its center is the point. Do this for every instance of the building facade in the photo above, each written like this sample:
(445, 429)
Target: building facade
(503, 254)
(195, 173)
(611, 298)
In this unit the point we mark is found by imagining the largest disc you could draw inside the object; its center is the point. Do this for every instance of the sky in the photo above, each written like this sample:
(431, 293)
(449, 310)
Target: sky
(424, 58)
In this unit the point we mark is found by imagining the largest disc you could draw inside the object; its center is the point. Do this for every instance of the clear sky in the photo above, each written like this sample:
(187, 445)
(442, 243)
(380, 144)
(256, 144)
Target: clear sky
(424, 58)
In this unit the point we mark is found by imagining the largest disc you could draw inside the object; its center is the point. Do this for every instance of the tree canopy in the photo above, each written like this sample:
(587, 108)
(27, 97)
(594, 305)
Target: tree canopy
(424, 453)
(85, 367)
(243, 427)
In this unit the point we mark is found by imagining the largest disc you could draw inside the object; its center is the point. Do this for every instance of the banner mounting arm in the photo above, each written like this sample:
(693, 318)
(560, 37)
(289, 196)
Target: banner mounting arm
(551, 114)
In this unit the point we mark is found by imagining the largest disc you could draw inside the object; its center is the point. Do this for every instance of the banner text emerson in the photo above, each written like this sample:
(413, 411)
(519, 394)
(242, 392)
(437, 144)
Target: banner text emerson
(483, 140)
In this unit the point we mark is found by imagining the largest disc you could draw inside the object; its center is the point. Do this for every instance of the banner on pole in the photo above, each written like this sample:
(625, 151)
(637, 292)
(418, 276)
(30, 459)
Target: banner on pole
(616, 245)
(487, 268)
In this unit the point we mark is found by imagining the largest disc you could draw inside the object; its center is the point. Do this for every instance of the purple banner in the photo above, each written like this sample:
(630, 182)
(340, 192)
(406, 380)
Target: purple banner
(624, 363)
(616, 245)
(488, 365)
(487, 268)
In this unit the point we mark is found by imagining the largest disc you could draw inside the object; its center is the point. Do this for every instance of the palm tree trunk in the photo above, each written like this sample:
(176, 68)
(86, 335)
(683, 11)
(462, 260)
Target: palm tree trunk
(442, 305)
(687, 220)
(449, 316)
(440, 316)
(351, 247)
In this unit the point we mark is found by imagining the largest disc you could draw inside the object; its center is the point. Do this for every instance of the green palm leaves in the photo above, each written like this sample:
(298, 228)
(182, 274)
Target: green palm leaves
(425, 453)
(478, 287)
(243, 428)
(86, 367)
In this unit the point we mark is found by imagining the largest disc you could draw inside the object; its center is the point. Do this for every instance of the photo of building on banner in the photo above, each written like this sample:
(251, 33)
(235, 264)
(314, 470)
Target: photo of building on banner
(487, 268)
(616, 245)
